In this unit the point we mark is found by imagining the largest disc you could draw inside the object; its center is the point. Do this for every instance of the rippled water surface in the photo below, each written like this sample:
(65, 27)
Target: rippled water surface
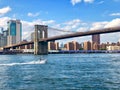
(62, 71)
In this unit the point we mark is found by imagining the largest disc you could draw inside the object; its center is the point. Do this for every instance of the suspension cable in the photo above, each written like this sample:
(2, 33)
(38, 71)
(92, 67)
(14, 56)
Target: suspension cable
(61, 30)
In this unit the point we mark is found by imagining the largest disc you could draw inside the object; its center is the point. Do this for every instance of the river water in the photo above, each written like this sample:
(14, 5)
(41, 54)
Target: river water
(61, 72)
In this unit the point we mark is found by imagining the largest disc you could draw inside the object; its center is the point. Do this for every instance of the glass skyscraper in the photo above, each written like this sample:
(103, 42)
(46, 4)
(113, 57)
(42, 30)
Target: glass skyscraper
(14, 32)
(3, 37)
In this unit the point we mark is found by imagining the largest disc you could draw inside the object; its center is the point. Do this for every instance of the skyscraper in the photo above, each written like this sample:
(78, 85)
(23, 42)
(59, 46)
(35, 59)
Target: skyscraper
(96, 38)
(14, 32)
(3, 37)
(95, 41)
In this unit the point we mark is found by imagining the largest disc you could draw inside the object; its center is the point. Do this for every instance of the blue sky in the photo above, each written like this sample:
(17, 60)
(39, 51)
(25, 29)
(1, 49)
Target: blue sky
(72, 15)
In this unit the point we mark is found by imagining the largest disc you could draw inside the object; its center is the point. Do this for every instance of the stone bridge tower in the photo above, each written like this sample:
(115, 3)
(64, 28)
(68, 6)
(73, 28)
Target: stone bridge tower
(40, 48)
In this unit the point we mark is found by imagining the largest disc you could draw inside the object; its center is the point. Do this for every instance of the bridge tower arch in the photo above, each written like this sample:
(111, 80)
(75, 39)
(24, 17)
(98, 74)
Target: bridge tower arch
(41, 32)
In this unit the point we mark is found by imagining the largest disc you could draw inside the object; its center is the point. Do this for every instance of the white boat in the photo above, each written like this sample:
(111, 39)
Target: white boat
(42, 61)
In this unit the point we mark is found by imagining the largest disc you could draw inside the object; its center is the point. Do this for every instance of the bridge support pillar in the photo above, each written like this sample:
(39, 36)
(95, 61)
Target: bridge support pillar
(43, 48)
(40, 48)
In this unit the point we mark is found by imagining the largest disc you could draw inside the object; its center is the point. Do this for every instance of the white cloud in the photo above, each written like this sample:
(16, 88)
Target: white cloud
(112, 37)
(72, 24)
(98, 25)
(88, 1)
(39, 21)
(115, 14)
(119, 40)
(75, 2)
(4, 10)
(33, 14)
(105, 24)
(68, 27)
(82, 29)
(3, 22)
(113, 23)
(79, 1)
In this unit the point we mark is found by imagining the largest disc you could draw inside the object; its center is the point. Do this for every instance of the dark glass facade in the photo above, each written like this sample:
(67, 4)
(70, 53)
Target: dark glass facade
(13, 29)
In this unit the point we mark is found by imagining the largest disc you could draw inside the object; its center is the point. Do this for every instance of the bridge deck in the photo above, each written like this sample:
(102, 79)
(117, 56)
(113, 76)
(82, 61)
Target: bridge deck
(77, 34)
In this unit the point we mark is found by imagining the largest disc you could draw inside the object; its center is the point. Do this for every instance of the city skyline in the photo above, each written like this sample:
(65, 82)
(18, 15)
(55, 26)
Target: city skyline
(73, 15)
(86, 45)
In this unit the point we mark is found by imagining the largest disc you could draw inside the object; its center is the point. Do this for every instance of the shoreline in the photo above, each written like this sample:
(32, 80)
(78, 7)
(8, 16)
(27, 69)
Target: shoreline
(62, 52)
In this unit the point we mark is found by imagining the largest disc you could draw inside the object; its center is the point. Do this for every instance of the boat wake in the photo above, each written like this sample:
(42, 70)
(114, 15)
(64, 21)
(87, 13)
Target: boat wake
(27, 63)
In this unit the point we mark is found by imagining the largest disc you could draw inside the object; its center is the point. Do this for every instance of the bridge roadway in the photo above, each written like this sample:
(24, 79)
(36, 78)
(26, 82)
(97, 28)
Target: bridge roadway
(77, 34)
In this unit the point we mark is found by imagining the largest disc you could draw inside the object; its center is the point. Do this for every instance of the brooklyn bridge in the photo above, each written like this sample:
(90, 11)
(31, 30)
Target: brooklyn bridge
(41, 39)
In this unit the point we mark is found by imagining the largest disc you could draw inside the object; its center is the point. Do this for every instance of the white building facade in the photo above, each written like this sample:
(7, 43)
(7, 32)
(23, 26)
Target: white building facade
(113, 47)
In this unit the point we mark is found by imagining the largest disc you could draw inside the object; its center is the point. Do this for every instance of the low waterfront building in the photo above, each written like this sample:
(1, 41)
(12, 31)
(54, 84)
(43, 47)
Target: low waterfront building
(72, 45)
(103, 46)
(87, 45)
(95, 46)
(76, 45)
(53, 45)
(113, 47)
(69, 46)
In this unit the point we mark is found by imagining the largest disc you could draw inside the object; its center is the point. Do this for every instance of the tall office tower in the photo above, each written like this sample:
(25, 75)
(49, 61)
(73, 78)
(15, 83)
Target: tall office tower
(95, 41)
(3, 37)
(14, 32)
(96, 38)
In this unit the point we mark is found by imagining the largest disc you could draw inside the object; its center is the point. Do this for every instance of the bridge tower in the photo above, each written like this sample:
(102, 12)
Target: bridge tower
(41, 32)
